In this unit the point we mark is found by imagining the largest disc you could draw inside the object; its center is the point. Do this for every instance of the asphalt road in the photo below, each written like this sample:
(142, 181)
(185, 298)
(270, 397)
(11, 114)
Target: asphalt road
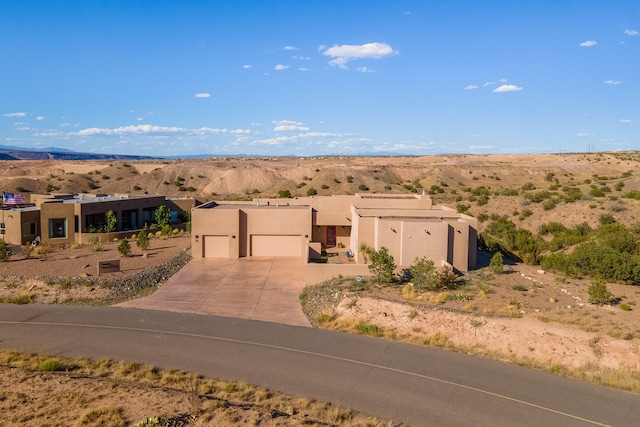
(417, 385)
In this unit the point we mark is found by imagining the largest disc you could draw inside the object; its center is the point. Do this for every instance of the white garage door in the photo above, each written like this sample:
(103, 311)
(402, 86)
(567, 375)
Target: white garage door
(275, 245)
(216, 246)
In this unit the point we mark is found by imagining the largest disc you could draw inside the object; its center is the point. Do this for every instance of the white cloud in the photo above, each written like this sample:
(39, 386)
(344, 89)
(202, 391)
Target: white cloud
(625, 121)
(289, 126)
(365, 70)
(289, 48)
(23, 128)
(612, 82)
(470, 87)
(481, 147)
(588, 43)
(488, 84)
(583, 134)
(631, 32)
(40, 118)
(246, 66)
(347, 52)
(139, 119)
(20, 114)
(202, 95)
(304, 69)
(507, 88)
(280, 67)
(156, 131)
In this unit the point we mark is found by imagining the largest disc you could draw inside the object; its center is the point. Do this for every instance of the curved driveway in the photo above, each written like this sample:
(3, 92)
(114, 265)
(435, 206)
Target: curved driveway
(414, 384)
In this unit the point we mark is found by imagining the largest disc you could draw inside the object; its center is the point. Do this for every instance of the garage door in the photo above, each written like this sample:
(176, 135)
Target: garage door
(275, 245)
(216, 246)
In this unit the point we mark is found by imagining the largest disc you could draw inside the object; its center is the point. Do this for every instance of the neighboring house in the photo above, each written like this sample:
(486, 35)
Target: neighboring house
(61, 219)
(408, 225)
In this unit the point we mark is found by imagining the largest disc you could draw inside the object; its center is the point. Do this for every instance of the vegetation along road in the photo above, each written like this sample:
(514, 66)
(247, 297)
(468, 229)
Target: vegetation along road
(413, 384)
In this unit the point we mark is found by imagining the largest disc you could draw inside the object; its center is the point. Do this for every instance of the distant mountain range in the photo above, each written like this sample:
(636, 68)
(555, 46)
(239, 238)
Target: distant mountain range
(54, 153)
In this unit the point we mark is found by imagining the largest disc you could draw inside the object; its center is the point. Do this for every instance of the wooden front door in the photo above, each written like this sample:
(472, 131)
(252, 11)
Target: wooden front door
(331, 236)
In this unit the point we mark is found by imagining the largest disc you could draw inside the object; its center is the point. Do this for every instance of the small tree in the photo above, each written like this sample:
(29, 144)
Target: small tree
(5, 251)
(162, 216)
(143, 241)
(382, 265)
(496, 263)
(124, 248)
(447, 278)
(366, 251)
(598, 292)
(284, 194)
(423, 273)
(111, 222)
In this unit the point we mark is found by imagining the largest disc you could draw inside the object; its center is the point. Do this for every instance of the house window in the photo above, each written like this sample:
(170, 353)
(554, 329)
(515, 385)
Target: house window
(57, 228)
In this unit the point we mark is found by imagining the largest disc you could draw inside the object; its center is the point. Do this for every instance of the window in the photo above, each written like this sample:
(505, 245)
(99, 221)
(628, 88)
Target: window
(57, 228)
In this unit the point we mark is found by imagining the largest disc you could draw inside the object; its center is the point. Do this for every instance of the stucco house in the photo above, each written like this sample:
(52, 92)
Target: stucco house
(409, 226)
(61, 219)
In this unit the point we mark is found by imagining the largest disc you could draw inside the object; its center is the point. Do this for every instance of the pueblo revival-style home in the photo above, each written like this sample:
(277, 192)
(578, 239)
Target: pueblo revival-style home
(62, 219)
(409, 226)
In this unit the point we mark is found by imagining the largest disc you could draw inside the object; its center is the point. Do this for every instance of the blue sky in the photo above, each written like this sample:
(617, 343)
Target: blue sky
(172, 78)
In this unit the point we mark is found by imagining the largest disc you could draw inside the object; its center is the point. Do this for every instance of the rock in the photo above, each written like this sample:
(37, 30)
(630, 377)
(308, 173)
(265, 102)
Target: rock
(541, 271)
(553, 300)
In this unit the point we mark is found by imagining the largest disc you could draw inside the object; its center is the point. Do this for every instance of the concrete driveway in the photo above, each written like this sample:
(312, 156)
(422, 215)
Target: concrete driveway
(264, 288)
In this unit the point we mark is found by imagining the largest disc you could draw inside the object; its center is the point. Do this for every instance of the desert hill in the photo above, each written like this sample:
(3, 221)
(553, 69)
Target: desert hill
(529, 189)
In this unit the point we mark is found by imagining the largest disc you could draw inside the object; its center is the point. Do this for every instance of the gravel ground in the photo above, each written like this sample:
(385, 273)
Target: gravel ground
(70, 276)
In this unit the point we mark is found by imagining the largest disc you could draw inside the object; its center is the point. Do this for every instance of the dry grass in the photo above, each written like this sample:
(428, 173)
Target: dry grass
(102, 392)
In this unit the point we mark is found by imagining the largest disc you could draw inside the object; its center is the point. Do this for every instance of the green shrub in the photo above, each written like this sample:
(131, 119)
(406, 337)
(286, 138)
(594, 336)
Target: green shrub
(5, 251)
(368, 328)
(143, 240)
(598, 292)
(625, 307)
(49, 365)
(124, 248)
(496, 265)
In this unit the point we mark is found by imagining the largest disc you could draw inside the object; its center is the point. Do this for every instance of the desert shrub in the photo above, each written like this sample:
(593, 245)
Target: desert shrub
(124, 248)
(509, 192)
(363, 187)
(635, 194)
(284, 194)
(5, 251)
(462, 208)
(572, 194)
(482, 217)
(598, 292)
(423, 274)
(528, 186)
(625, 307)
(324, 186)
(94, 241)
(49, 365)
(382, 265)
(368, 328)
(605, 219)
(312, 191)
(349, 179)
(143, 240)
(596, 192)
(496, 265)
(447, 278)
(549, 204)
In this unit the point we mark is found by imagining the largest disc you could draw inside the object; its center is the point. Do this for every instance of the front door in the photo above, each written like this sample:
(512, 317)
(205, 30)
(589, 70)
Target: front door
(331, 236)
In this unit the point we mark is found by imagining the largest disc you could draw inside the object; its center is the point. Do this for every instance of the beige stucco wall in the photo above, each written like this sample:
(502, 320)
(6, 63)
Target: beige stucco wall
(55, 210)
(243, 221)
(15, 221)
